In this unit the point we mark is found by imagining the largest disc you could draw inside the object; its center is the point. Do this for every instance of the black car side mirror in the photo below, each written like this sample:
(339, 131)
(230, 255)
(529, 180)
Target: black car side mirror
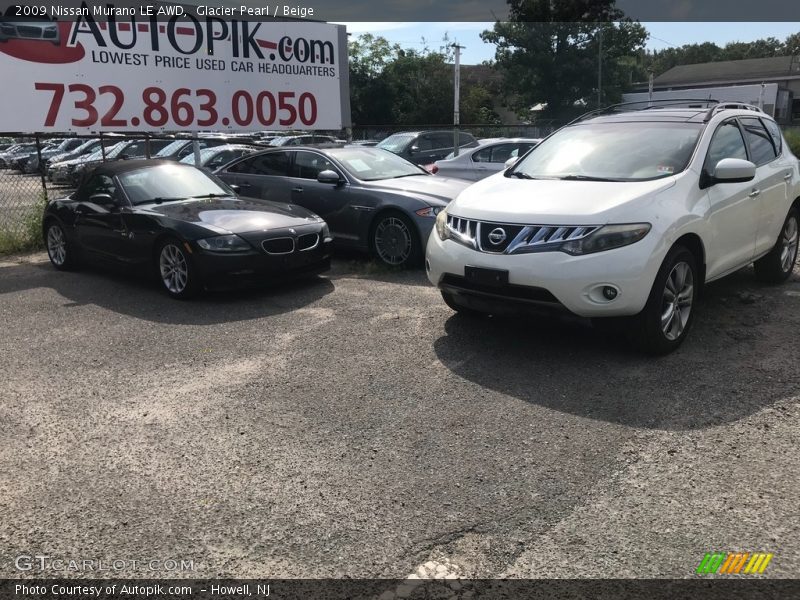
(234, 187)
(413, 149)
(329, 176)
(104, 200)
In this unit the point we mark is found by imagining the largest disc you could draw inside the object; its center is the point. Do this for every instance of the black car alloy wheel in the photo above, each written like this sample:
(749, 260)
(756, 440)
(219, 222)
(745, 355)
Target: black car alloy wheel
(175, 269)
(58, 249)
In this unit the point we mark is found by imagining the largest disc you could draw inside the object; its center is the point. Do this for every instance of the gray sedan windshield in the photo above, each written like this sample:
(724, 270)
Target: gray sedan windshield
(634, 151)
(369, 164)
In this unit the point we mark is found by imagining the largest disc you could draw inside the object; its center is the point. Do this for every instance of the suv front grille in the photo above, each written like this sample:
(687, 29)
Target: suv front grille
(513, 238)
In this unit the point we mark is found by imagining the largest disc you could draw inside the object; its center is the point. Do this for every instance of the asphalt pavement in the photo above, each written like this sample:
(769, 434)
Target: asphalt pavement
(352, 425)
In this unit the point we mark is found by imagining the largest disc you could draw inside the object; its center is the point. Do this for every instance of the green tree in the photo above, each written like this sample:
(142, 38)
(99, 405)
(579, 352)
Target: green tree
(370, 94)
(548, 52)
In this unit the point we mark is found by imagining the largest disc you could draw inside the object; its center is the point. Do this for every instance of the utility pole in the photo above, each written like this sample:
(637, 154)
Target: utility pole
(600, 69)
(650, 88)
(456, 97)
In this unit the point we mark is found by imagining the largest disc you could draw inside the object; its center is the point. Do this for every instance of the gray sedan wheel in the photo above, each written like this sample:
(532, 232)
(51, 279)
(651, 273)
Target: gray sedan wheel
(394, 240)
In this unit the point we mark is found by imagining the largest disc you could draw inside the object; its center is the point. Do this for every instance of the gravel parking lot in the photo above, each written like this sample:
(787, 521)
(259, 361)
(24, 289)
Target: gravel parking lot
(352, 425)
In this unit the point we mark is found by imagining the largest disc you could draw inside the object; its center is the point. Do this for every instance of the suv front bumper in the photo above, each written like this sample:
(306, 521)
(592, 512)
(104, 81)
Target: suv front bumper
(550, 279)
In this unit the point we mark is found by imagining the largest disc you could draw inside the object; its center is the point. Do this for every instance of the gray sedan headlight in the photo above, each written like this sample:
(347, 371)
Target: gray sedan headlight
(224, 243)
(607, 238)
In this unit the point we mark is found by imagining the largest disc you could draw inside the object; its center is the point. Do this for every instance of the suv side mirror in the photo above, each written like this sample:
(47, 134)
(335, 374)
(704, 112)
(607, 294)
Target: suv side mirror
(729, 170)
(413, 149)
(734, 170)
(510, 162)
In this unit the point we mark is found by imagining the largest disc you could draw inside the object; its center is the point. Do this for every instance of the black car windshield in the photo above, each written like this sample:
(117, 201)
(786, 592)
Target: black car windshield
(370, 164)
(162, 183)
(632, 151)
(396, 142)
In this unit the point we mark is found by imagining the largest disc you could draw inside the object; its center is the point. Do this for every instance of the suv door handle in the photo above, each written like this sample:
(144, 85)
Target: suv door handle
(788, 176)
(297, 189)
(754, 193)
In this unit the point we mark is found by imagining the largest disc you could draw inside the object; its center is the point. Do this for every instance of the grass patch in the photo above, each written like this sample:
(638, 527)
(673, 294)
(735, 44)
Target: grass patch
(27, 237)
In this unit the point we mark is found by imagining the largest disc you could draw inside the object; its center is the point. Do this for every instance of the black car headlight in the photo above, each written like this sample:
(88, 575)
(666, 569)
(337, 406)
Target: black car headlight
(224, 243)
(441, 225)
(326, 233)
(607, 238)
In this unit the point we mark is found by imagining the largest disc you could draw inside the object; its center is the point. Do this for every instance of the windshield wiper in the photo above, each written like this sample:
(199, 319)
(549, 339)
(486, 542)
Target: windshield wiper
(211, 195)
(586, 178)
(410, 175)
(521, 175)
(159, 200)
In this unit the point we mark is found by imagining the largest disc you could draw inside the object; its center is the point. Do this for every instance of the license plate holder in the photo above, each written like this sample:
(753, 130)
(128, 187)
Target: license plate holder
(482, 276)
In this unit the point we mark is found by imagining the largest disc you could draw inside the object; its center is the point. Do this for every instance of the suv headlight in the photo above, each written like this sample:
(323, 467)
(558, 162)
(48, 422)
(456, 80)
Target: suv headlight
(441, 225)
(607, 238)
(224, 243)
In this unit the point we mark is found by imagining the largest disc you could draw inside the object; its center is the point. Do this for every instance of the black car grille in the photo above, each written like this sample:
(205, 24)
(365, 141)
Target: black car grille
(515, 292)
(282, 245)
(307, 241)
(29, 32)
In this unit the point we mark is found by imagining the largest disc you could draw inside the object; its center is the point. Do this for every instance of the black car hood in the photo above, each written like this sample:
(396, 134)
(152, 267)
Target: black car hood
(234, 215)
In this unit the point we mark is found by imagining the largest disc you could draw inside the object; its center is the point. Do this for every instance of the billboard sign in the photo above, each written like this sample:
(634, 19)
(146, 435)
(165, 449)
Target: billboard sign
(148, 73)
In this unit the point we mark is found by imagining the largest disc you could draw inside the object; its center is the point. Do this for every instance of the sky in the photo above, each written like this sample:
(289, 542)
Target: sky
(662, 35)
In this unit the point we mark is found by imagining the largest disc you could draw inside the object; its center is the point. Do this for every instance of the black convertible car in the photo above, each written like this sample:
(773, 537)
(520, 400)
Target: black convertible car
(191, 229)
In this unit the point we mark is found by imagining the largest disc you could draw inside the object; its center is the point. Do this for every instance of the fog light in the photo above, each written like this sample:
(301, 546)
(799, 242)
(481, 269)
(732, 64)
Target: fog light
(609, 293)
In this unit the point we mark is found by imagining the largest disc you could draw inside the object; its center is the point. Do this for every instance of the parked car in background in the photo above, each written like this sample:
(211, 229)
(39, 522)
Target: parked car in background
(14, 153)
(71, 171)
(625, 215)
(303, 140)
(212, 159)
(371, 199)
(185, 225)
(487, 159)
(87, 147)
(31, 165)
(425, 147)
(180, 149)
(125, 150)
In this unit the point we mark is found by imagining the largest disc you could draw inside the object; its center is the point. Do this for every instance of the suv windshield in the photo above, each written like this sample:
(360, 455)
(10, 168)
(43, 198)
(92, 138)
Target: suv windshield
(633, 151)
(396, 142)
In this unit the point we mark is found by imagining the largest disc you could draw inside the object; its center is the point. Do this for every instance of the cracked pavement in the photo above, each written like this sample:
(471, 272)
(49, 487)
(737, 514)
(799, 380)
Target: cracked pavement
(352, 425)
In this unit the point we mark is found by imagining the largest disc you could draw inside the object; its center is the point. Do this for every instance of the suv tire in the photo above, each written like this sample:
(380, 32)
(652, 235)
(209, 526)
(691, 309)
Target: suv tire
(777, 266)
(668, 315)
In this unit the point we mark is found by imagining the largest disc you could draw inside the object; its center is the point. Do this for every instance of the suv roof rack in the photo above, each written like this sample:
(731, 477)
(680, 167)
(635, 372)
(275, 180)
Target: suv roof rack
(712, 104)
(730, 105)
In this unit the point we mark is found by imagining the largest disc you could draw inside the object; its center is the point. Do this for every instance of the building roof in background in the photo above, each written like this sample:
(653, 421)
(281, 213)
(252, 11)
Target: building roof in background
(728, 71)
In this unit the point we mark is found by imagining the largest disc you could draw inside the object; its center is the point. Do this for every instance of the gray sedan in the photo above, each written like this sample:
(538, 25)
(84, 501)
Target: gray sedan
(371, 199)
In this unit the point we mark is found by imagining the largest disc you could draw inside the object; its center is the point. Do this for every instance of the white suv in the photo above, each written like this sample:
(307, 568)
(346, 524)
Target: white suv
(625, 213)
